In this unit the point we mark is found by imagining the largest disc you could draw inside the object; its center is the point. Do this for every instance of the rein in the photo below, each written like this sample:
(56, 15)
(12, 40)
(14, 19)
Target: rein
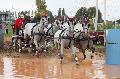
(49, 29)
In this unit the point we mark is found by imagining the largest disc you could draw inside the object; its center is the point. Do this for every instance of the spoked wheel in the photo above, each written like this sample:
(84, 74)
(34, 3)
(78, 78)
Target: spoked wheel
(19, 45)
(14, 43)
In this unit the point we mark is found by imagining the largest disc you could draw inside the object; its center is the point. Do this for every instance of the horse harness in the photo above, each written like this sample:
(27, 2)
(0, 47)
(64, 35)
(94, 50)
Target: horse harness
(84, 27)
(32, 28)
(83, 38)
(67, 37)
(49, 30)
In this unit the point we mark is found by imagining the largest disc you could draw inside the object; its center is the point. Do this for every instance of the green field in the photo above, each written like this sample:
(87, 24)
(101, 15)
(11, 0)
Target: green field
(10, 31)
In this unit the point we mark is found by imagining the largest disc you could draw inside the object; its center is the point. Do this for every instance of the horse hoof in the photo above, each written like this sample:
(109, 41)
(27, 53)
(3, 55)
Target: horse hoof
(23, 48)
(61, 61)
(76, 58)
(30, 46)
(20, 50)
(77, 63)
(59, 55)
(36, 53)
(45, 50)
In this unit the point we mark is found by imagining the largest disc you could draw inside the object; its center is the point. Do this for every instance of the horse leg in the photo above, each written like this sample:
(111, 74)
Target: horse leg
(72, 47)
(90, 44)
(83, 51)
(31, 46)
(36, 44)
(61, 52)
(84, 46)
(14, 41)
(56, 46)
(19, 45)
(55, 43)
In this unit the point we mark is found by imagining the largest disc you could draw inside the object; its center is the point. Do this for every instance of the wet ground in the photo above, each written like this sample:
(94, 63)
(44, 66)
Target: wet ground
(14, 65)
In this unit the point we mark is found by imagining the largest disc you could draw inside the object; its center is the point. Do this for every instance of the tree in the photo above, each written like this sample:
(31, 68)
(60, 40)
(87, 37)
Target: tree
(92, 13)
(51, 17)
(41, 9)
(63, 12)
(41, 6)
(37, 18)
(59, 12)
(80, 13)
(118, 21)
(24, 13)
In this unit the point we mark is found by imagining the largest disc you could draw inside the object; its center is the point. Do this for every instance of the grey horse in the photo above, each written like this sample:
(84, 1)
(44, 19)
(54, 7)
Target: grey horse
(82, 38)
(64, 38)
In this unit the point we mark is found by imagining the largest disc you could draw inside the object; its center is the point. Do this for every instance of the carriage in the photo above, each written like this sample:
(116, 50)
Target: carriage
(38, 37)
(97, 37)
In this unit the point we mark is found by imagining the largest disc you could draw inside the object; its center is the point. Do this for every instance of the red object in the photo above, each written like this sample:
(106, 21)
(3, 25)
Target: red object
(18, 23)
(97, 36)
(71, 19)
(85, 20)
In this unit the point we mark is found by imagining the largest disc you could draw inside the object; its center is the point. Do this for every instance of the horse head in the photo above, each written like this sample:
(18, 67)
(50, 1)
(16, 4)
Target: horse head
(68, 29)
(80, 31)
(44, 21)
(57, 24)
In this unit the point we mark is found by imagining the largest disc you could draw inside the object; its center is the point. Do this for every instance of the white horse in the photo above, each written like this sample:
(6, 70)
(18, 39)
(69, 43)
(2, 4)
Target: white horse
(82, 38)
(64, 39)
(53, 28)
(33, 32)
(29, 27)
(39, 34)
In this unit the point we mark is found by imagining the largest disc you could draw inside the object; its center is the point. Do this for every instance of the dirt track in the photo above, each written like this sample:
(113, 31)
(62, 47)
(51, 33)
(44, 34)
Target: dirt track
(45, 66)
(8, 50)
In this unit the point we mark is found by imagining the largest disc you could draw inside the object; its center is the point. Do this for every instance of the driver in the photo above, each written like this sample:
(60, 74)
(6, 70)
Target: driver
(19, 23)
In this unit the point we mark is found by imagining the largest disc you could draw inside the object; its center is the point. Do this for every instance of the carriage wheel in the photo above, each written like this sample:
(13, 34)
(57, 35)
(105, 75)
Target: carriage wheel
(14, 44)
(101, 40)
(19, 45)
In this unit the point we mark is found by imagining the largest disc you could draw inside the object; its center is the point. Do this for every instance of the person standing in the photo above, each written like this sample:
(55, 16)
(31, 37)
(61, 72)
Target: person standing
(13, 27)
(19, 24)
(6, 28)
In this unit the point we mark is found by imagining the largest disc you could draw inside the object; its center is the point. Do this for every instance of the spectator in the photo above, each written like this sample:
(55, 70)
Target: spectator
(6, 28)
(19, 24)
(13, 27)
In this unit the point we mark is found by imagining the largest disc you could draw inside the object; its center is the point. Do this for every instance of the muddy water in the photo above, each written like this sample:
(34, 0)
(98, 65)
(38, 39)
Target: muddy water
(24, 66)
(38, 68)
(47, 68)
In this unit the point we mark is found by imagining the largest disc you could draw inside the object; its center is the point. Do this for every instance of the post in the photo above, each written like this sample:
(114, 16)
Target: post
(105, 12)
(96, 18)
(1, 30)
(105, 22)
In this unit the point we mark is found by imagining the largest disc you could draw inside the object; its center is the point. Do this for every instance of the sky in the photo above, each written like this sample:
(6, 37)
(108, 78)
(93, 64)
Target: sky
(71, 6)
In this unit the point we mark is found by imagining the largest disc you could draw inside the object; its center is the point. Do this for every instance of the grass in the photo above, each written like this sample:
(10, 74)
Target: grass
(10, 31)
(99, 46)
